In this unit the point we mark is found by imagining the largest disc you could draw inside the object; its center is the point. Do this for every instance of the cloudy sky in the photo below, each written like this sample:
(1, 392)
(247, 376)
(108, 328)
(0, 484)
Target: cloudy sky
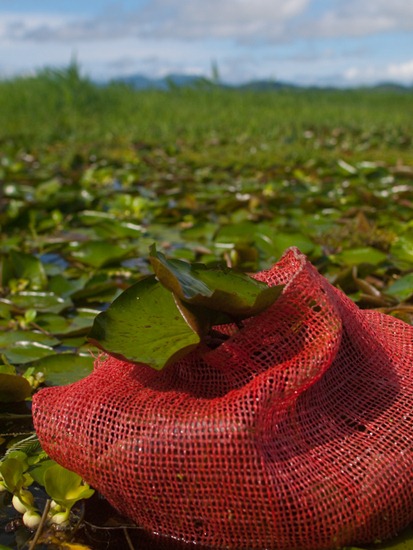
(324, 42)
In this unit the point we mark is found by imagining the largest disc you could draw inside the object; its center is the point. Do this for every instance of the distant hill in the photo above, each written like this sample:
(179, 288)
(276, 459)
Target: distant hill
(141, 82)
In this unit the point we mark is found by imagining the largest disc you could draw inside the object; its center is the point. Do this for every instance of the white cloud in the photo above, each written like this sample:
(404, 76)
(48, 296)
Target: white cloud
(362, 18)
(224, 19)
(181, 20)
(398, 72)
(244, 21)
(15, 27)
(401, 71)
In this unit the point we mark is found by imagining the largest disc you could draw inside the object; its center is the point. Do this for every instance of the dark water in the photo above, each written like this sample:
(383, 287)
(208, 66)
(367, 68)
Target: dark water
(100, 528)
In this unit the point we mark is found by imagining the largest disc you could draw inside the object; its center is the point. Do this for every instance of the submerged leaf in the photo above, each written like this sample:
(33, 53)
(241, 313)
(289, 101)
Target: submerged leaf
(13, 388)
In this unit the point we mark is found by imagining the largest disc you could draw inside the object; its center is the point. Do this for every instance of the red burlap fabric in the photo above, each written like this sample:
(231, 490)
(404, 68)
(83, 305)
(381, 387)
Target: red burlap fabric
(296, 433)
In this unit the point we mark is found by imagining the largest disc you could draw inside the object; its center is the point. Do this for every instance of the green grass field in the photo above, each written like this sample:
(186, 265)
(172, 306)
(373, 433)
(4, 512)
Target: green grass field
(62, 106)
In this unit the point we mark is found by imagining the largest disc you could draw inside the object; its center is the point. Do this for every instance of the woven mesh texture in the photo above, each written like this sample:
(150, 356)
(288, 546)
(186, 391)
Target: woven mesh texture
(295, 433)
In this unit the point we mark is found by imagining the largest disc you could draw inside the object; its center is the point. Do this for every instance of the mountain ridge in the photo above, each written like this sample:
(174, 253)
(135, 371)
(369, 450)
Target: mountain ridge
(139, 81)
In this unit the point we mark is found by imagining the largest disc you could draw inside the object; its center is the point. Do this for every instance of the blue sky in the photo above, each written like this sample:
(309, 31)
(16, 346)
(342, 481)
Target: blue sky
(322, 42)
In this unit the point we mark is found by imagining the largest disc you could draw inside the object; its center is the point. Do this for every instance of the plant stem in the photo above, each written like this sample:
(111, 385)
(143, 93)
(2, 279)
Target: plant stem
(41, 525)
(127, 537)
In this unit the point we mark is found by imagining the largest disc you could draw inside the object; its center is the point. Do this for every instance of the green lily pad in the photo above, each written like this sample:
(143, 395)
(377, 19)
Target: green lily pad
(65, 287)
(5, 310)
(26, 266)
(26, 351)
(356, 256)
(40, 301)
(64, 368)
(402, 250)
(402, 288)
(143, 325)
(226, 291)
(99, 253)
(12, 338)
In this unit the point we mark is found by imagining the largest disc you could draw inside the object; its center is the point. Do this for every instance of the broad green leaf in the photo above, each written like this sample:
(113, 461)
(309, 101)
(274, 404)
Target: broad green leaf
(279, 242)
(10, 339)
(226, 291)
(13, 388)
(64, 368)
(40, 301)
(99, 253)
(26, 266)
(232, 234)
(143, 325)
(38, 472)
(12, 469)
(26, 351)
(65, 487)
(64, 287)
(272, 242)
(77, 324)
(357, 256)
(5, 312)
(402, 288)
(6, 270)
(402, 250)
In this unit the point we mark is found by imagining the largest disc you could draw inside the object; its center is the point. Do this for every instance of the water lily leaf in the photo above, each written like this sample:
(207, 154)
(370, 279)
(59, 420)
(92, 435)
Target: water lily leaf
(402, 250)
(65, 287)
(26, 266)
(99, 253)
(5, 310)
(6, 270)
(108, 226)
(226, 291)
(64, 368)
(232, 234)
(358, 256)
(144, 325)
(40, 301)
(402, 288)
(13, 388)
(271, 242)
(61, 327)
(276, 244)
(12, 338)
(26, 351)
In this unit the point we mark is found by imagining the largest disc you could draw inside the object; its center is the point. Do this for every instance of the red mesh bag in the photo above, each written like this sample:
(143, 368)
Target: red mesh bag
(295, 433)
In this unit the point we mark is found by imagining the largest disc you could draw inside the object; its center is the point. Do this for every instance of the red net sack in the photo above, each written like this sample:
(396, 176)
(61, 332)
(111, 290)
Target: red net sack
(295, 433)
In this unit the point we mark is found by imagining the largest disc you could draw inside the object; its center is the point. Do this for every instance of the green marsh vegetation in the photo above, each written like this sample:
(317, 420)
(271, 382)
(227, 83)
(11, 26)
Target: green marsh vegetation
(91, 176)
